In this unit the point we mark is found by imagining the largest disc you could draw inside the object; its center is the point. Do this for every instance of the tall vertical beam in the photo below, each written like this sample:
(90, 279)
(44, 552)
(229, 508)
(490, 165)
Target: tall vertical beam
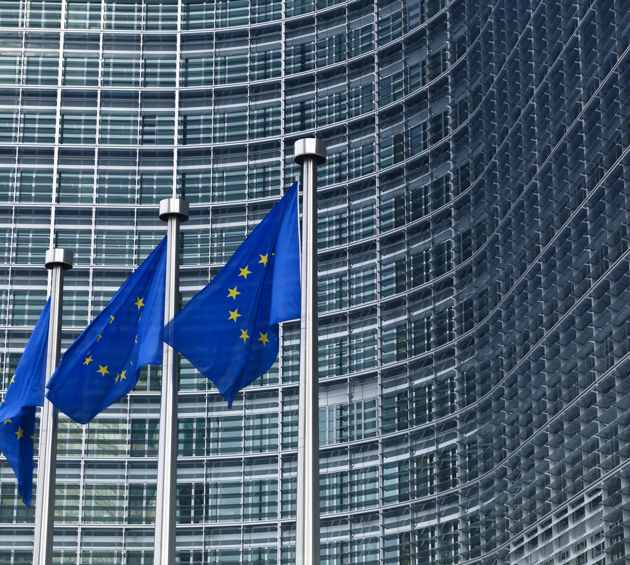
(308, 152)
(58, 261)
(174, 211)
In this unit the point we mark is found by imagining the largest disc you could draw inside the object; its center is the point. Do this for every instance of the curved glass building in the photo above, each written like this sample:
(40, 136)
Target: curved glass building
(474, 261)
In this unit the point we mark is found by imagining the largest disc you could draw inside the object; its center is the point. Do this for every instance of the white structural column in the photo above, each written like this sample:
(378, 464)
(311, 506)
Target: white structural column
(58, 261)
(174, 211)
(308, 152)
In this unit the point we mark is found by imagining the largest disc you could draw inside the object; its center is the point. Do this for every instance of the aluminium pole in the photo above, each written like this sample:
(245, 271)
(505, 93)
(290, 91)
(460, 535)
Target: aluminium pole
(174, 211)
(58, 261)
(308, 152)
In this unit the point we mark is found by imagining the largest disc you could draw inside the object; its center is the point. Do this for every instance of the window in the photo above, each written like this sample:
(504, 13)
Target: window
(333, 292)
(114, 248)
(363, 350)
(390, 28)
(104, 503)
(119, 129)
(80, 71)
(332, 229)
(363, 285)
(38, 128)
(78, 128)
(361, 41)
(331, 50)
(142, 503)
(26, 306)
(107, 437)
(30, 246)
(363, 488)
(35, 187)
(261, 433)
(83, 14)
(75, 187)
(121, 71)
(144, 438)
(41, 69)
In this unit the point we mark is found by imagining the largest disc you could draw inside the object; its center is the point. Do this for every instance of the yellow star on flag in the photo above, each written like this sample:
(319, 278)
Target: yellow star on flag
(98, 338)
(112, 319)
(103, 370)
(12, 379)
(264, 259)
(88, 360)
(263, 338)
(19, 433)
(7, 422)
(244, 335)
(233, 292)
(245, 272)
(234, 315)
(117, 377)
(122, 376)
(139, 303)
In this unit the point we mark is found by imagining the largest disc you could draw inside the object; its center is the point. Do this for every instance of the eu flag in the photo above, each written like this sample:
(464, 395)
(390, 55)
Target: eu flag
(229, 330)
(103, 363)
(17, 410)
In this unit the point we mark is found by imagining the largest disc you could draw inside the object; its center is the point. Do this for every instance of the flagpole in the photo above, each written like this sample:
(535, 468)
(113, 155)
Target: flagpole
(308, 152)
(58, 261)
(174, 211)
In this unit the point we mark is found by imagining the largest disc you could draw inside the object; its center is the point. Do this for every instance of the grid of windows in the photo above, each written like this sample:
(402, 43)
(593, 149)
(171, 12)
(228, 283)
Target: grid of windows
(473, 262)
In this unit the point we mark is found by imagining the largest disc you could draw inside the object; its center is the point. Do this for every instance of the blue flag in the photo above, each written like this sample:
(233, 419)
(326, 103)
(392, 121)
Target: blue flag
(229, 330)
(103, 363)
(17, 410)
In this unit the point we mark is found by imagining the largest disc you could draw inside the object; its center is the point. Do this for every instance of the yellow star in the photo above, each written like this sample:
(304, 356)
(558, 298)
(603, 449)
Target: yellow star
(122, 376)
(88, 360)
(234, 315)
(263, 338)
(103, 370)
(264, 259)
(244, 335)
(112, 319)
(233, 292)
(32, 437)
(3, 400)
(140, 318)
(136, 339)
(12, 379)
(98, 338)
(7, 422)
(139, 303)
(245, 272)
(116, 379)
(19, 433)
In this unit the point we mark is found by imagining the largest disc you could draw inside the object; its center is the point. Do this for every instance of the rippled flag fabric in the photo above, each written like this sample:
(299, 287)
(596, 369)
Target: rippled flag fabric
(103, 363)
(229, 330)
(18, 407)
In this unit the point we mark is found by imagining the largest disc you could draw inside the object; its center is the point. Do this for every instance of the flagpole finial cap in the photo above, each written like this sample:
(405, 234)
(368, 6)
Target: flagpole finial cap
(310, 147)
(57, 257)
(173, 207)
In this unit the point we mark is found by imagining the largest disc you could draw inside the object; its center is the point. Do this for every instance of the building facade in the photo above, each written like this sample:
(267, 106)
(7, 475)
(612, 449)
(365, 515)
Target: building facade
(474, 262)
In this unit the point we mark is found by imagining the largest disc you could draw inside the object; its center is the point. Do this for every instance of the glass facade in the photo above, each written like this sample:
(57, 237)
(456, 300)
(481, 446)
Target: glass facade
(474, 262)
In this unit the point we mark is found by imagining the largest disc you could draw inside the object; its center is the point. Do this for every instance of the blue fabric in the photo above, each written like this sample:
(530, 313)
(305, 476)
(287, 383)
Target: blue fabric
(229, 330)
(103, 364)
(17, 411)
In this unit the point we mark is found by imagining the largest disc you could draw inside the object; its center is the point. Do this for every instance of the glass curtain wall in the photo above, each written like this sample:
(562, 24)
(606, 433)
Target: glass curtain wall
(473, 256)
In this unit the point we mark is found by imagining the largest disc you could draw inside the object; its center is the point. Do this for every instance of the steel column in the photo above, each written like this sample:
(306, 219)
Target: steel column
(309, 152)
(174, 211)
(58, 261)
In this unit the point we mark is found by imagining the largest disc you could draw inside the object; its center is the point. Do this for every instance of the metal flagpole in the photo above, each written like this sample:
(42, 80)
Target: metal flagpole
(58, 261)
(309, 153)
(174, 211)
